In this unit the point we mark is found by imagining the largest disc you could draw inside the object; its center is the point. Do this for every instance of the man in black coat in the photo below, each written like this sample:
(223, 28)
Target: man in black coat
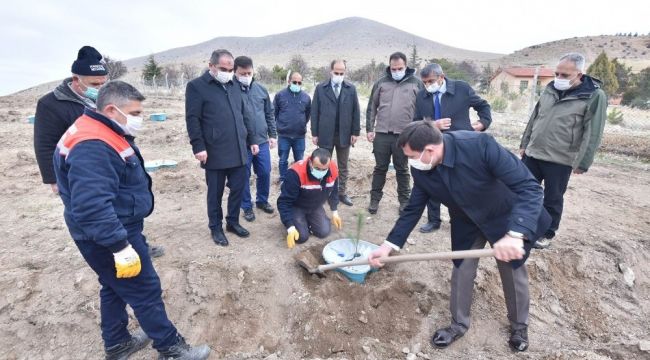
(57, 110)
(335, 120)
(492, 197)
(220, 130)
(447, 102)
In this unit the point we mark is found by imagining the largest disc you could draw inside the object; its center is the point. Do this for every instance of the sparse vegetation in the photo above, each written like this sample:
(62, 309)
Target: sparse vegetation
(615, 117)
(116, 69)
(499, 104)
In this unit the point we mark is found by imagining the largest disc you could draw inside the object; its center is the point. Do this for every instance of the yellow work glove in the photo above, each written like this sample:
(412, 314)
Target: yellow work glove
(292, 236)
(127, 263)
(336, 220)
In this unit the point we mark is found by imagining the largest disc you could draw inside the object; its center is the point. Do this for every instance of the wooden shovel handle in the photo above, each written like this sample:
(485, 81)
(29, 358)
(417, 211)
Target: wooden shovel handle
(449, 255)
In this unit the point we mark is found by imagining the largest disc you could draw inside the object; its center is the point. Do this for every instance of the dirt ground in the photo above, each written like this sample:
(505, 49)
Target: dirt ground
(250, 301)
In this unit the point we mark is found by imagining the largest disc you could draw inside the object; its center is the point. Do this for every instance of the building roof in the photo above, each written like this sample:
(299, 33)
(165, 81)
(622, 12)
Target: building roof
(528, 72)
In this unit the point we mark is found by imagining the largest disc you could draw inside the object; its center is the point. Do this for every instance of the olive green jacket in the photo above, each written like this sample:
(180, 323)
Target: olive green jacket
(567, 130)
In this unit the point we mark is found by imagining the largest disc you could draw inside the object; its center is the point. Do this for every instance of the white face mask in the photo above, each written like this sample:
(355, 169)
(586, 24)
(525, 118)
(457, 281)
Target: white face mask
(433, 87)
(337, 79)
(419, 165)
(245, 80)
(398, 75)
(223, 76)
(562, 84)
(133, 123)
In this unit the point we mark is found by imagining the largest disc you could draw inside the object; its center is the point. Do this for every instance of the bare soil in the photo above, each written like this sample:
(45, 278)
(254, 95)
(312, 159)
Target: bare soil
(251, 301)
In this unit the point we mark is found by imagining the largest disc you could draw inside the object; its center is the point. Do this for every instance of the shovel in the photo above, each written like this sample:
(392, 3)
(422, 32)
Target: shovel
(308, 261)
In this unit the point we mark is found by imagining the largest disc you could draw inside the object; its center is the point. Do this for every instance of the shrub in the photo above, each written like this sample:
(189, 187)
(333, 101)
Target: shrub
(615, 117)
(499, 104)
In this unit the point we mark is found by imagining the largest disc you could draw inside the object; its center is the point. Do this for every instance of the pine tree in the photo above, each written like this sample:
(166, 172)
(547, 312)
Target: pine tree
(151, 70)
(604, 70)
(414, 58)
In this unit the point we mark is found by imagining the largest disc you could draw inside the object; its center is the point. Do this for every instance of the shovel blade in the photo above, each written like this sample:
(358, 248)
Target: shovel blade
(308, 261)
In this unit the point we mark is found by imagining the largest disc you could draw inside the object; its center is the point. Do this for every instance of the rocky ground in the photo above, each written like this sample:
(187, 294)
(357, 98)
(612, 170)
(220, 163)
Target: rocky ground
(251, 301)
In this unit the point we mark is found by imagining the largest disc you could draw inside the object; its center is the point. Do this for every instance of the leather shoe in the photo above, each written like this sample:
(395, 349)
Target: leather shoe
(519, 339)
(219, 237)
(429, 227)
(444, 337)
(373, 207)
(266, 207)
(156, 251)
(237, 230)
(249, 215)
(345, 200)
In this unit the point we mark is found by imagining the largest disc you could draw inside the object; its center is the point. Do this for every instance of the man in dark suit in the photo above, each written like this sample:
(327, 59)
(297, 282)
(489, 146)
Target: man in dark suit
(447, 102)
(492, 197)
(219, 128)
(335, 120)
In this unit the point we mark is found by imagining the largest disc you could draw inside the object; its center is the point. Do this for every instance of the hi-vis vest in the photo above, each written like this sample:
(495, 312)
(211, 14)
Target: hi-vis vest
(308, 183)
(86, 128)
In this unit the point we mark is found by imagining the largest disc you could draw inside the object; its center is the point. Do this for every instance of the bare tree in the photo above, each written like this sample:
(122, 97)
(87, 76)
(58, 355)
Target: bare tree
(298, 63)
(190, 71)
(116, 69)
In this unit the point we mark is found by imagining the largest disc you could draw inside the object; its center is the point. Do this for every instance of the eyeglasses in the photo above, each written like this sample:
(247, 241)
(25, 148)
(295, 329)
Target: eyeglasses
(297, 82)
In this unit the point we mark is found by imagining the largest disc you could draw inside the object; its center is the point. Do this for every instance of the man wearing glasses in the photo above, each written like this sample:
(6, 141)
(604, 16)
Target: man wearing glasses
(335, 120)
(563, 133)
(292, 109)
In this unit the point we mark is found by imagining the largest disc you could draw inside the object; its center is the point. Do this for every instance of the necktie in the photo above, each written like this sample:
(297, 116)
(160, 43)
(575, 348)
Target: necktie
(337, 91)
(436, 106)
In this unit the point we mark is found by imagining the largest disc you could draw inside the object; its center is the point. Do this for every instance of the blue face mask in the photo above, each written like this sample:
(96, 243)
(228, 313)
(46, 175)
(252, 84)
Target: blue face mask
(294, 88)
(90, 92)
(318, 174)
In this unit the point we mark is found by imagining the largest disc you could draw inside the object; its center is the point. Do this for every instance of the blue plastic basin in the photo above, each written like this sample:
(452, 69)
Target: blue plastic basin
(344, 250)
(158, 117)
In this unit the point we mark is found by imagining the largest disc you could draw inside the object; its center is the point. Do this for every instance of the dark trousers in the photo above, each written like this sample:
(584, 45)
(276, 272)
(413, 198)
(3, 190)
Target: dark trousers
(285, 145)
(433, 211)
(262, 166)
(342, 157)
(142, 293)
(311, 222)
(384, 147)
(515, 290)
(236, 180)
(556, 179)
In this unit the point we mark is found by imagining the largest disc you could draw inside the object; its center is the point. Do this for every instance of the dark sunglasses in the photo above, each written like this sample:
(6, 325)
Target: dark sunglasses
(297, 82)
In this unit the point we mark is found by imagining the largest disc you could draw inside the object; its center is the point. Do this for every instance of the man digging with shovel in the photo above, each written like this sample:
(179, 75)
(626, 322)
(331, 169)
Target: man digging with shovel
(491, 197)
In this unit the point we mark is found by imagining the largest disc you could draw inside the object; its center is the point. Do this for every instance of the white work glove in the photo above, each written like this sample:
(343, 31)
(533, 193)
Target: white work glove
(127, 263)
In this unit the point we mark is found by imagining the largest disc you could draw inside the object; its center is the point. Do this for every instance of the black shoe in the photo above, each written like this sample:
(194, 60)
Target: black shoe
(266, 207)
(139, 340)
(444, 337)
(345, 200)
(430, 227)
(249, 215)
(542, 243)
(373, 207)
(519, 339)
(156, 251)
(237, 230)
(219, 237)
(183, 351)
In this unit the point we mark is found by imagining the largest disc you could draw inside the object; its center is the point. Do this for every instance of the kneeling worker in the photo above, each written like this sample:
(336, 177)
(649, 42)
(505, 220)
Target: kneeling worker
(306, 187)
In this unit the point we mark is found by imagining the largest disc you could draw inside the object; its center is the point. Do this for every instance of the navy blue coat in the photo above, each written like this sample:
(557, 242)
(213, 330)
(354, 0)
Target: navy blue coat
(101, 192)
(455, 104)
(487, 189)
(218, 122)
(292, 113)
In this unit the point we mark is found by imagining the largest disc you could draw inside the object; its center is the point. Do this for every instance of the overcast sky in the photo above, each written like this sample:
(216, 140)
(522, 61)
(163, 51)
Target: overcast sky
(40, 39)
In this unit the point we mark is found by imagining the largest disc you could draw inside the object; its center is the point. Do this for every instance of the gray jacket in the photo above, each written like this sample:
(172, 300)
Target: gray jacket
(260, 108)
(392, 103)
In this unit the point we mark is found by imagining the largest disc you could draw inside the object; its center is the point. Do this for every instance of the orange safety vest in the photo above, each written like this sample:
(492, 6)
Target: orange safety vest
(86, 128)
(308, 183)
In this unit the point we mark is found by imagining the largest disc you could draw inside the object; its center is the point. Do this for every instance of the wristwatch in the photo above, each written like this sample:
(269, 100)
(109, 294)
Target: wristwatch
(516, 235)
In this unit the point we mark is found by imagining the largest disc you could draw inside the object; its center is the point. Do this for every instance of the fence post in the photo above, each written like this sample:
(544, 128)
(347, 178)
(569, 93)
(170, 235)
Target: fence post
(533, 93)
